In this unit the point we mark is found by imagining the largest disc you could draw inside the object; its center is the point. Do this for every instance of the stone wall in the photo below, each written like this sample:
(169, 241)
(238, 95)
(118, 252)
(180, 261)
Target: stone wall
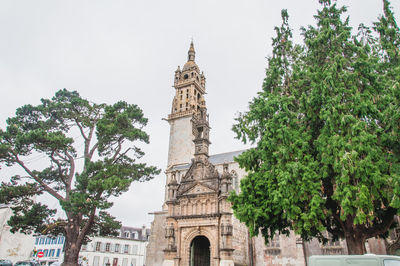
(157, 240)
(181, 146)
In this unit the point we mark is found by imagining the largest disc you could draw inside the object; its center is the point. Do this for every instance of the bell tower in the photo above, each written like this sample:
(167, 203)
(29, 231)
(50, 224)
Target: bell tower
(189, 86)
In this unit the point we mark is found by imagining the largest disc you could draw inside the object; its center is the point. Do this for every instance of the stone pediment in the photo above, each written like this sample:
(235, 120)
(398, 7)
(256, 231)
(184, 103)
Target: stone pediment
(194, 188)
(199, 189)
(200, 169)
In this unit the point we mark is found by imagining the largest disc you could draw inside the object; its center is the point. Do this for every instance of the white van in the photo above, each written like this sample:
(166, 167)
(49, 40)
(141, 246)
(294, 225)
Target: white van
(354, 260)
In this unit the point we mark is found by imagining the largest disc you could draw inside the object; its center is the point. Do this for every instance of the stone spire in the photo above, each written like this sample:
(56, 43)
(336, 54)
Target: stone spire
(191, 52)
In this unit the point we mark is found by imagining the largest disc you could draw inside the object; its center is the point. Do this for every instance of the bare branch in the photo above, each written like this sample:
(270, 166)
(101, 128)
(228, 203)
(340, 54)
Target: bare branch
(86, 227)
(70, 174)
(93, 150)
(87, 144)
(46, 187)
(119, 148)
(62, 157)
(57, 162)
(122, 154)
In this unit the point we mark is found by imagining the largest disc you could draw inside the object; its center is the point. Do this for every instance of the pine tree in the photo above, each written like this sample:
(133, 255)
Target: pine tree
(63, 132)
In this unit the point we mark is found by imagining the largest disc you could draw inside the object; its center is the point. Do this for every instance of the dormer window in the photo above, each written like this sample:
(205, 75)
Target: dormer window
(186, 76)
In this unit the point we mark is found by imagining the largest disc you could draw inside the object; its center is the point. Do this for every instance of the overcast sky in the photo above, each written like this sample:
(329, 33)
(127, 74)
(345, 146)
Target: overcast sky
(110, 50)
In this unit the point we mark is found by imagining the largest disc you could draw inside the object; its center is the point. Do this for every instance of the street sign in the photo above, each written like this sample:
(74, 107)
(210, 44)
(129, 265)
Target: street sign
(40, 254)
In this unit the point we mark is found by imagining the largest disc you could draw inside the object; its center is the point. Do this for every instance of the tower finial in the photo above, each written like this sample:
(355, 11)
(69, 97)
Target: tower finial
(191, 53)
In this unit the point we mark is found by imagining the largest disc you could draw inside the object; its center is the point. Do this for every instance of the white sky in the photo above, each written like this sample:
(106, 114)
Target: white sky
(110, 50)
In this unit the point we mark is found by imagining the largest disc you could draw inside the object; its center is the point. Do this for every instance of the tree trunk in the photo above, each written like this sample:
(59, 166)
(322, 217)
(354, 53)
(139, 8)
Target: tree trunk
(71, 246)
(71, 254)
(355, 244)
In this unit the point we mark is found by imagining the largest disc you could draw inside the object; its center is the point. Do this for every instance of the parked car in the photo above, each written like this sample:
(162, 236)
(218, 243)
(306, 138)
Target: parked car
(27, 263)
(352, 260)
(5, 262)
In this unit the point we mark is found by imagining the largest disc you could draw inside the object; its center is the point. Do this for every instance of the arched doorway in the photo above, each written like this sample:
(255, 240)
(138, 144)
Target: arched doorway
(200, 251)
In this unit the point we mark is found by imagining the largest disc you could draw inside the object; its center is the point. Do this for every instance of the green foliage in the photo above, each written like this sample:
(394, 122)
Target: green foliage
(326, 128)
(88, 155)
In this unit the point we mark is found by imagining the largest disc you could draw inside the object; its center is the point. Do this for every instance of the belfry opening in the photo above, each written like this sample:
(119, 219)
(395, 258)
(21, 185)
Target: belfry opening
(200, 251)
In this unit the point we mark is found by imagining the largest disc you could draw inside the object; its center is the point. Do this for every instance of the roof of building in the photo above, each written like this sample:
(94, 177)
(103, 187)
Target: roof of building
(142, 233)
(227, 157)
(221, 158)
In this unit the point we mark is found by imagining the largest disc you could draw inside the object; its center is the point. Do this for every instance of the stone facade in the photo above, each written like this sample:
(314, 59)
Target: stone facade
(196, 225)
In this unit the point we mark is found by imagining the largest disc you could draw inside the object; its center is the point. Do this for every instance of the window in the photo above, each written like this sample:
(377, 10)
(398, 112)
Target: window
(274, 242)
(116, 248)
(331, 247)
(98, 245)
(134, 249)
(391, 262)
(106, 260)
(51, 253)
(41, 240)
(46, 253)
(47, 241)
(58, 252)
(108, 247)
(133, 262)
(96, 260)
(37, 240)
(83, 247)
(235, 180)
(126, 248)
(273, 246)
(124, 262)
(126, 234)
(60, 240)
(54, 240)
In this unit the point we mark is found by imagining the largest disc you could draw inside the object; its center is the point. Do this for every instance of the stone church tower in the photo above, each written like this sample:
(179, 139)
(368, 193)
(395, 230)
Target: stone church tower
(196, 226)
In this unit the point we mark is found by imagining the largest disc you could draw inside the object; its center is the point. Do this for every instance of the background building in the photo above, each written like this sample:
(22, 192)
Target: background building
(129, 249)
(52, 248)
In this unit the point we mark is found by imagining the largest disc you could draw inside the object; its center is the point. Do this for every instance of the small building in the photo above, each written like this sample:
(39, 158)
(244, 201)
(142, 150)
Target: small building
(52, 248)
(128, 249)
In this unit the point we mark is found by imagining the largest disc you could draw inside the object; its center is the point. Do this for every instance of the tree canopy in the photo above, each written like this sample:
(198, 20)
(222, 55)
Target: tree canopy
(87, 153)
(327, 131)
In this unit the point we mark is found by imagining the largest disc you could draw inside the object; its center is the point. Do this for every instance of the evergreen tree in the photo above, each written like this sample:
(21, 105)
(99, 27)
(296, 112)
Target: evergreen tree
(80, 172)
(326, 128)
